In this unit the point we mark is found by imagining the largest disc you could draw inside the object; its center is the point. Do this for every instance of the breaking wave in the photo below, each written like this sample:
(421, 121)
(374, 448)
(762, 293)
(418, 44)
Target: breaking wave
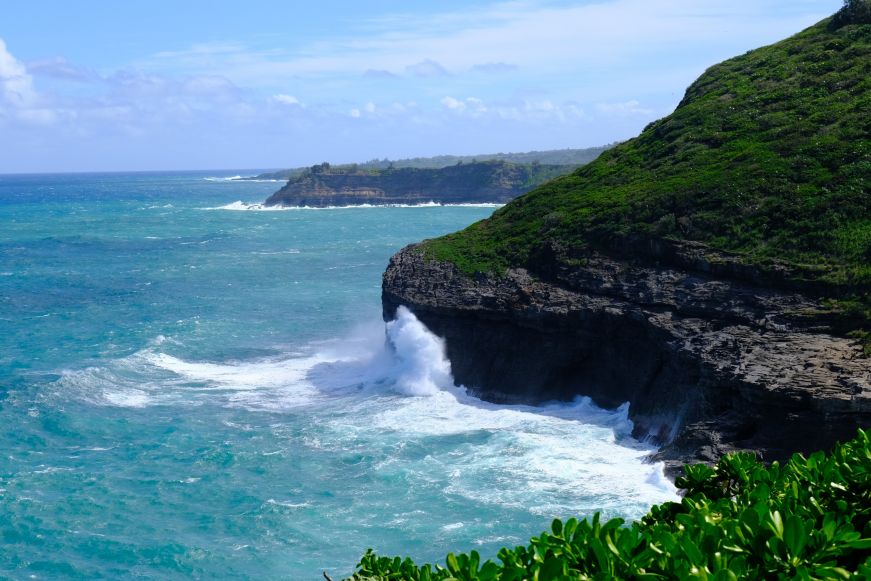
(397, 383)
(239, 205)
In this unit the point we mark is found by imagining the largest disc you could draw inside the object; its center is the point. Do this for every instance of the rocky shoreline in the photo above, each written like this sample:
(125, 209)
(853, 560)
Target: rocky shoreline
(711, 358)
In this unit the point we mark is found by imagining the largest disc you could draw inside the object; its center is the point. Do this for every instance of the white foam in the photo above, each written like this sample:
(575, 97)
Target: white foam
(223, 179)
(277, 252)
(393, 387)
(239, 205)
(241, 178)
(240, 376)
(549, 458)
(151, 377)
(421, 367)
(128, 398)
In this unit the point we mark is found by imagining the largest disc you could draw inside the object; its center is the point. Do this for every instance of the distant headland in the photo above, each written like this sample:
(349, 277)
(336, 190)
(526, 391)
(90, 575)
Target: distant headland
(447, 179)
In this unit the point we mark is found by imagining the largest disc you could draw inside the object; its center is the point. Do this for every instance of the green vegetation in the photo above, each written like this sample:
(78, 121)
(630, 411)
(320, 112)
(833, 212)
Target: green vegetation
(807, 519)
(767, 156)
(572, 158)
(524, 175)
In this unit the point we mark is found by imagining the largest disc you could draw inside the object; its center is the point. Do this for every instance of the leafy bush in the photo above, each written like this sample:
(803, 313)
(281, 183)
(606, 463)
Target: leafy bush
(807, 519)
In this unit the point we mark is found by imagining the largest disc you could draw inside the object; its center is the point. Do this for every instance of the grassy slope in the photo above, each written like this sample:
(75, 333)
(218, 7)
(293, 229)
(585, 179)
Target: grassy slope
(562, 157)
(480, 174)
(767, 156)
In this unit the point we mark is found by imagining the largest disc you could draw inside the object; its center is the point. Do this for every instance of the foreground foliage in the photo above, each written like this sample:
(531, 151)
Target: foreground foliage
(807, 519)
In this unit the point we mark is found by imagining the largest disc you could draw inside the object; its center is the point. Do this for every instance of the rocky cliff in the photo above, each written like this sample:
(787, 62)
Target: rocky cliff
(710, 271)
(710, 363)
(482, 182)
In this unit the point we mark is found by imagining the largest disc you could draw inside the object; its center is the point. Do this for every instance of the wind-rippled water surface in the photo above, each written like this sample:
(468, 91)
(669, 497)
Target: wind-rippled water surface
(194, 386)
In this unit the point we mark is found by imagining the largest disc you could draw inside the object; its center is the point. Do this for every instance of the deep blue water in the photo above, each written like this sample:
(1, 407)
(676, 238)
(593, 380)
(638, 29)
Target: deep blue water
(194, 386)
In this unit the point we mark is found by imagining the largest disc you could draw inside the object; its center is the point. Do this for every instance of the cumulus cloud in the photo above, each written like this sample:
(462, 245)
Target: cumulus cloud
(16, 85)
(470, 105)
(452, 103)
(285, 99)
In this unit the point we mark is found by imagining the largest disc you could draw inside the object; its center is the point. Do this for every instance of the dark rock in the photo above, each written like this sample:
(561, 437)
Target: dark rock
(709, 364)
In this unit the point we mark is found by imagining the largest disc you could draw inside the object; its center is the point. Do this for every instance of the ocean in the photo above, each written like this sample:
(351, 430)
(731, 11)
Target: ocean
(192, 385)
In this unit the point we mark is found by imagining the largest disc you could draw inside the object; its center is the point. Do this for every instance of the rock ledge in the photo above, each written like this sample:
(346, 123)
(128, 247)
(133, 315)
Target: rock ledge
(708, 364)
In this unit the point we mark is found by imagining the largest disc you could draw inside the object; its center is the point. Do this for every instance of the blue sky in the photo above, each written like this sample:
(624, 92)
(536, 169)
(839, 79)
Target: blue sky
(96, 86)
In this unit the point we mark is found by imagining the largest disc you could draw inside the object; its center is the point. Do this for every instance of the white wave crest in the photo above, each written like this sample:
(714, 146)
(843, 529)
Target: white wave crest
(393, 387)
(421, 367)
(151, 377)
(241, 178)
(239, 205)
(223, 179)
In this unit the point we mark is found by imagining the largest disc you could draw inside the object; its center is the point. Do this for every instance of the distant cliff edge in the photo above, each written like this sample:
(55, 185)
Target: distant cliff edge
(462, 183)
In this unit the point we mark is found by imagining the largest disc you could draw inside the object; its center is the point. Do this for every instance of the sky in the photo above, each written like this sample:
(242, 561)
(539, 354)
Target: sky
(169, 85)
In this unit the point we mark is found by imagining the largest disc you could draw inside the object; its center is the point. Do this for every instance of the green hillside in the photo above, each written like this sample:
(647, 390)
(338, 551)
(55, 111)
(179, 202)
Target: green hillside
(767, 156)
(563, 157)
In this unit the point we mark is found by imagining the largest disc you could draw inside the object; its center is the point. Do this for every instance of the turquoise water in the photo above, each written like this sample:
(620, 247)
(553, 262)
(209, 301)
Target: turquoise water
(193, 386)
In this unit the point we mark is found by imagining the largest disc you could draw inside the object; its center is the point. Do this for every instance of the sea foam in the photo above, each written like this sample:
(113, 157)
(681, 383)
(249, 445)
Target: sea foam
(396, 380)
(239, 205)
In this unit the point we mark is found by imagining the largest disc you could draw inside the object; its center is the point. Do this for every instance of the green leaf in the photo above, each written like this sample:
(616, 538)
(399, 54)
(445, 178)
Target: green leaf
(862, 544)
(775, 523)
(794, 535)
(453, 565)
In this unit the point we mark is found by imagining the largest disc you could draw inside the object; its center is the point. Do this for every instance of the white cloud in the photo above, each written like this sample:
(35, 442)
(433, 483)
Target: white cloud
(452, 103)
(427, 68)
(469, 104)
(285, 99)
(544, 73)
(632, 107)
(16, 85)
(530, 35)
(61, 68)
(543, 105)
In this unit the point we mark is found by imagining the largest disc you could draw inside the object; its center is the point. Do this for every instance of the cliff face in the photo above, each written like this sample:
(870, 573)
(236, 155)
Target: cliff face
(684, 270)
(709, 362)
(484, 182)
